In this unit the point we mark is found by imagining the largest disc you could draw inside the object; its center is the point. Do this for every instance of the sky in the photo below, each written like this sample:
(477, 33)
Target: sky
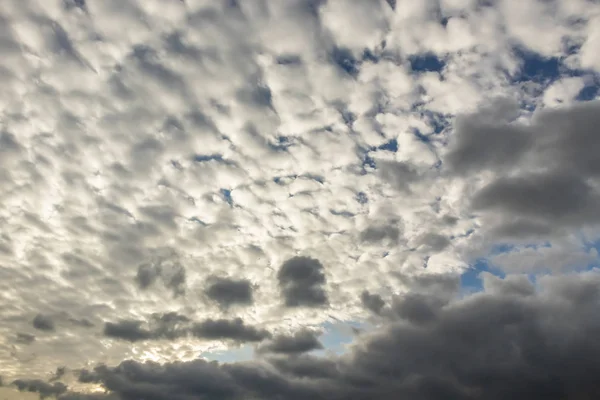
(325, 199)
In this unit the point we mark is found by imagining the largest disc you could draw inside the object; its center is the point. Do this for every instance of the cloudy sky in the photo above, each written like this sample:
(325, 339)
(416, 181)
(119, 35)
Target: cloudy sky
(292, 199)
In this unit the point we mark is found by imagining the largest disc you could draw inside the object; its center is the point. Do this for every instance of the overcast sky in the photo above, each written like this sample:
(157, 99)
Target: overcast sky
(291, 199)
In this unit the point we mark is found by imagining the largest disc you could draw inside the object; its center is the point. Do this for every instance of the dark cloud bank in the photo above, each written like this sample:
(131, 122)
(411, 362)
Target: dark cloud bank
(171, 326)
(513, 340)
(545, 174)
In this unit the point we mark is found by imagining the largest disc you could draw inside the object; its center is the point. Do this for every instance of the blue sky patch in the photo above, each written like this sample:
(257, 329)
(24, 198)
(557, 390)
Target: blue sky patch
(471, 282)
(362, 198)
(344, 59)
(590, 91)
(208, 157)
(282, 143)
(336, 335)
(391, 145)
(368, 162)
(226, 193)
(369, 56)
(535, 67)
(426, 63)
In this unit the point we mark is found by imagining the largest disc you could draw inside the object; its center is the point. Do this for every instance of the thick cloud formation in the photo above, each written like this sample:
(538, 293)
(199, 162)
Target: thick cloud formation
(160, 326)
(300, 342)
(223, 329)
(510, 341)
(43, 323)
(544, 173)
(44, 389)
(373, 302)
(227, 292)
(127, 330)
(172, 326)
(301, 280)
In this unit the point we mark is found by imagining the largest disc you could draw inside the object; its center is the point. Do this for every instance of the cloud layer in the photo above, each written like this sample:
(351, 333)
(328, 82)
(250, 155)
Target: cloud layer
(510, 340)
(186, 179)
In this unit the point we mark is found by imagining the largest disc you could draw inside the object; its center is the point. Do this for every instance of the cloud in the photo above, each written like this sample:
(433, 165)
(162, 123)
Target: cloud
(223, 329)
(43, 323)
(487, 140)
(25, 338)
(567, 199)
(227, 292)
(147, 275)
(172, 273)
(58, 374)
(300, 342)
(510, 340)
(301, 280)
(44, 389)
(127, 330)
(169, 326)
(172, 327)
(83, 322)
(542, 180)
(373, 302)
(147, 146)
(380, 233)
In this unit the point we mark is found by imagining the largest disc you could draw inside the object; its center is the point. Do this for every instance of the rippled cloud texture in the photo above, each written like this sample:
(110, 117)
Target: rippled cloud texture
(187, 178)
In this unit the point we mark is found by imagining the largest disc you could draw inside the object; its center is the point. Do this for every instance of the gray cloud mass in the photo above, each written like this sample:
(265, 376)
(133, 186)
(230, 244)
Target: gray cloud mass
(227, 292)
(301, 280)
(511, 340)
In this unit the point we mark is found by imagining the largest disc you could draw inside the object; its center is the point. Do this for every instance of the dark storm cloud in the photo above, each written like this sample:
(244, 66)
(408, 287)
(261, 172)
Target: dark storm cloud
(300, 342)
(564, 198)
(515, 285)
(478, 145)
(509, 341)
(88, 396)
(306, 366)
(234, 329)
(442, 286)
(372, 302)
(517, 227)
(301, 280)
(417, 308)
(568, 138)
(43, 323)
(130, 330)
(44, 389)
(545, 172)
(227, 292)
(169, 326)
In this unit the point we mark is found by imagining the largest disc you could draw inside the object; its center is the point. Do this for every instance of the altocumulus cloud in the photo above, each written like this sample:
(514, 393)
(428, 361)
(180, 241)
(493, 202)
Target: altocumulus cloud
(184, 181)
